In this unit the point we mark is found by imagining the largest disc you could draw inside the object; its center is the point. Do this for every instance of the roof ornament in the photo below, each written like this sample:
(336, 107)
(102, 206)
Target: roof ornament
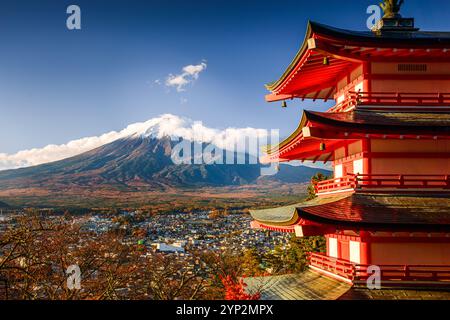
(392, 20)
(391, 8)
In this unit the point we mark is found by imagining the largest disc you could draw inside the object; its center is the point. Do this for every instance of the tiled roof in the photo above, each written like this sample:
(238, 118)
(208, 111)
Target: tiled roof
(395, 294)
(392, 121)
(288, 215)
(419, 38)
(370, 211)
(383, 211)
(308, 285)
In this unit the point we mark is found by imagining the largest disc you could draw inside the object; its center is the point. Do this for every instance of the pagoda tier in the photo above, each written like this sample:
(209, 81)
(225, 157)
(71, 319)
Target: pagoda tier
(407, 236)
(357, 58)
(337, 130)
(360, 212)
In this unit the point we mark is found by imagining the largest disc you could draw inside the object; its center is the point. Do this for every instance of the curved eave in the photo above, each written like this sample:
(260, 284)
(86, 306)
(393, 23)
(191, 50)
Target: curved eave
(288, 215)
(383, 212)
(274, 85)
(282, 216)
(303, 78)
(377, 212)
(295, 136)
(323, 41)
(293, 142)
(316, 127)
(369, 122)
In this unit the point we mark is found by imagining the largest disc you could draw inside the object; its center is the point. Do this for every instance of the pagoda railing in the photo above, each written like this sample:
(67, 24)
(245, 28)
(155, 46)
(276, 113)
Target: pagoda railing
(335, 266)
(404, 275)
(361, 182)
(345, 183)
(353, 99)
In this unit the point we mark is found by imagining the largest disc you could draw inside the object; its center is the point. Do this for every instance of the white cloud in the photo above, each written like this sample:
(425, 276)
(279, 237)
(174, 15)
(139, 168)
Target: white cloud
(165, 125)
(189, 74)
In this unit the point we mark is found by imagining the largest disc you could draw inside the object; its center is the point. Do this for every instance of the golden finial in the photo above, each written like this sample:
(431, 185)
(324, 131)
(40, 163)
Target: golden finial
(391, 8)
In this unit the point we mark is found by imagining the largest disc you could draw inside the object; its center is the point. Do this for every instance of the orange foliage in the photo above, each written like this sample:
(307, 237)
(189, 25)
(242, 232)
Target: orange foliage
(235, 290)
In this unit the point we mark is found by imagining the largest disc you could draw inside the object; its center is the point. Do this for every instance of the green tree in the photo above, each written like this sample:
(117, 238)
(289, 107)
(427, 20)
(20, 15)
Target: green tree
(319, 176)
(294, 258)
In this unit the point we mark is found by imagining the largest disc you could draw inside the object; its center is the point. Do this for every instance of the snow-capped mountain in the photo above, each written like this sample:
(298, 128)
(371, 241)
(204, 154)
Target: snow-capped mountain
(140, 157)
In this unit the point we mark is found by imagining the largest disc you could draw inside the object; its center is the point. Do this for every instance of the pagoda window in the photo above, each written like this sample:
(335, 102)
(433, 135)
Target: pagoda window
(359, 87)
(332, 247)
(358, 166)
(338, 171)
(355, 251)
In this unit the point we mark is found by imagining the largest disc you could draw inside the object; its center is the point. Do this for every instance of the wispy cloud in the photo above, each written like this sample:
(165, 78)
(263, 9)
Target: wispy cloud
(188, 75)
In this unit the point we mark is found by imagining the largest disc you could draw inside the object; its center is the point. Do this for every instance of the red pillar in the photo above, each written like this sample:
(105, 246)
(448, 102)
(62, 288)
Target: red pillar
(365, 248)
(366, 156)
(367, 82)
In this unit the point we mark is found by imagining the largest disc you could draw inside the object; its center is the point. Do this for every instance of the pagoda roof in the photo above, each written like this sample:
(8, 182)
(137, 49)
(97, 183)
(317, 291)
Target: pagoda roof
(365, 212)
(316, 127)
(384, 120)
(307, 285)
(385, 38)
(288, 215)
(307, 77)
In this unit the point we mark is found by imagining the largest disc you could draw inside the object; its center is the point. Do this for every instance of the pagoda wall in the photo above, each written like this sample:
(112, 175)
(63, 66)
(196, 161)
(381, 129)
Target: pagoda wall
(350, 248)
(410, 77)
(390, 250)
(353, 81)
(420, 253)
(411, 86)
(401, 157)
(349, 159)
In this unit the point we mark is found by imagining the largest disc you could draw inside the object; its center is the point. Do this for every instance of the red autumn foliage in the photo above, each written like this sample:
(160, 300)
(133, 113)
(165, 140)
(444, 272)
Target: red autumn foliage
(235, 289)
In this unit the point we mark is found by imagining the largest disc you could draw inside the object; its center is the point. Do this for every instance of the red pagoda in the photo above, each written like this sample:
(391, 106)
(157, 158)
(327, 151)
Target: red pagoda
(388, 139)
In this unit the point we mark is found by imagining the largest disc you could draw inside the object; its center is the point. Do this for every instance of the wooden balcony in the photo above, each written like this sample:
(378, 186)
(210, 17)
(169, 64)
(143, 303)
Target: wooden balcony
(386, 182)
(341, 268)
(392, 100)
(390, 275)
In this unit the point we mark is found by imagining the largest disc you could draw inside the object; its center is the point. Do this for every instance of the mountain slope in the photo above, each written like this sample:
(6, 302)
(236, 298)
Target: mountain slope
(140, 162)
(3, 205)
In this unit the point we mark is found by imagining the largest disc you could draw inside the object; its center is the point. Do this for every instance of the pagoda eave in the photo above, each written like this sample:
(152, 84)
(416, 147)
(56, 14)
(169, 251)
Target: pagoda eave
(318, 133)
(360, 212)
(309, 77)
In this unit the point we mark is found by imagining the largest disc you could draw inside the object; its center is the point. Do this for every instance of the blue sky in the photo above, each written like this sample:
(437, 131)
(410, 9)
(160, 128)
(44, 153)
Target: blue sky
(58, 85)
